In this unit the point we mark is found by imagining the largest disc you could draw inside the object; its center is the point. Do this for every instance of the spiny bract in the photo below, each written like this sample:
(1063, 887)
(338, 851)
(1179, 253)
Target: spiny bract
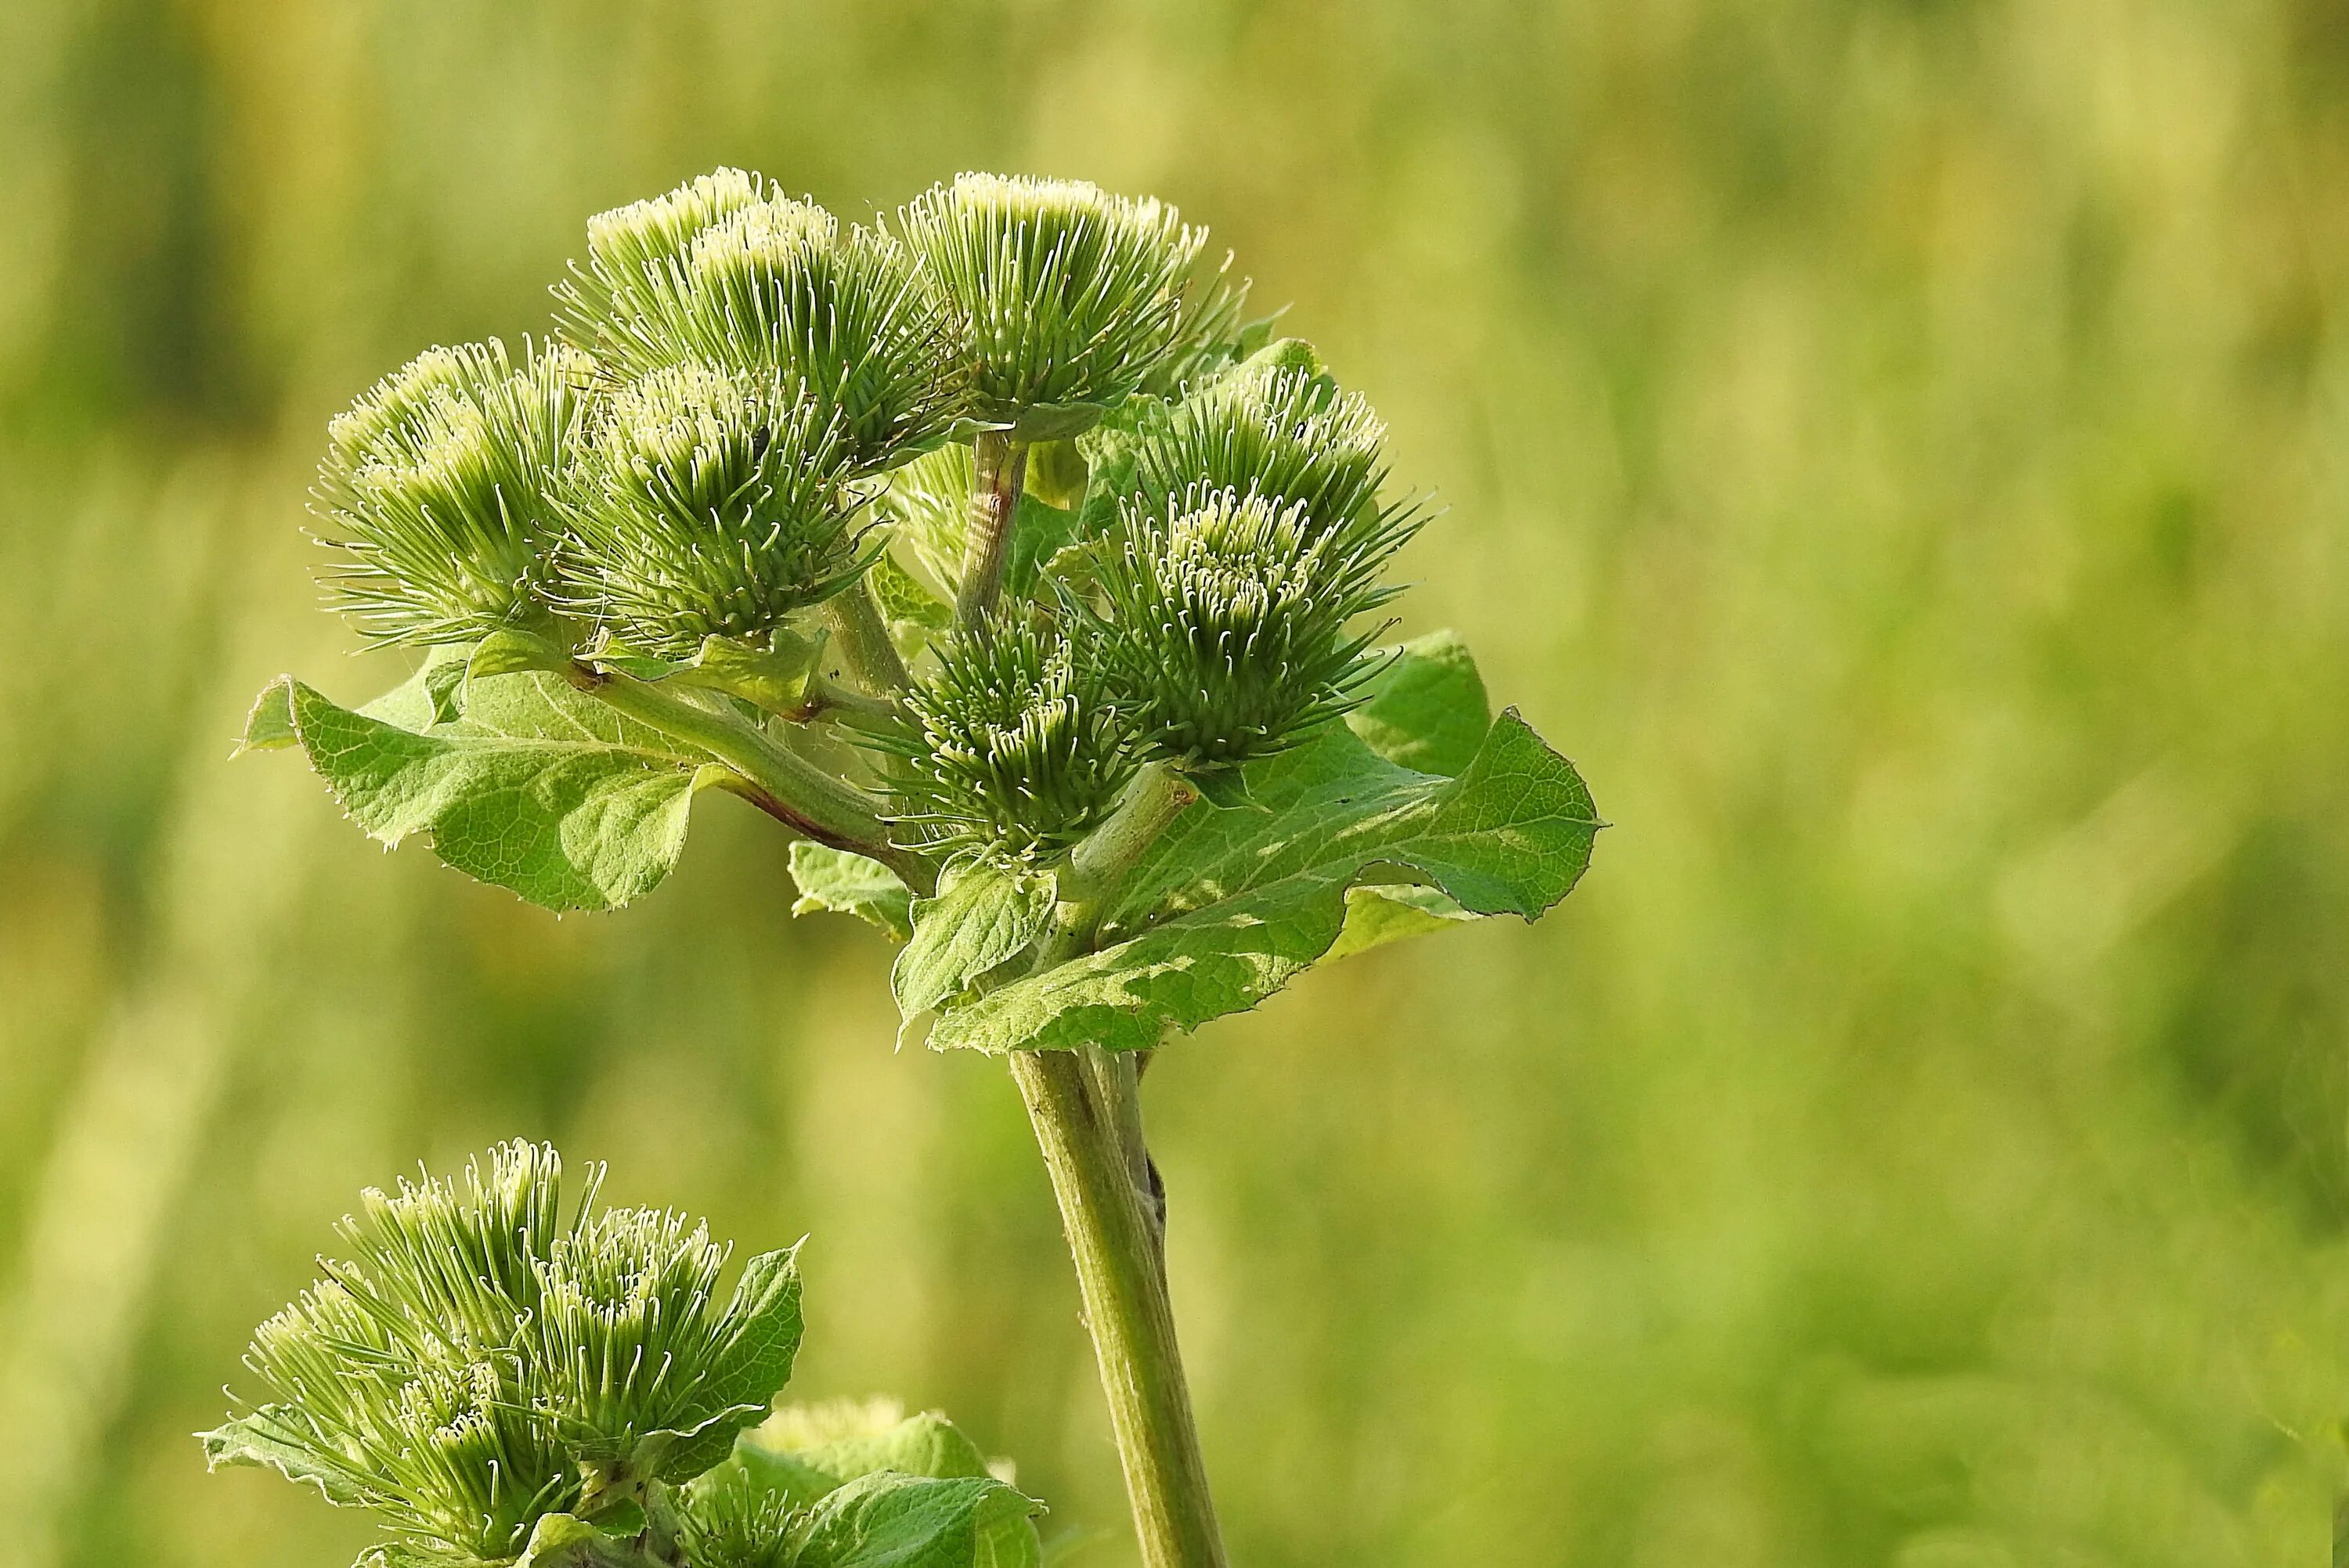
(437, 490)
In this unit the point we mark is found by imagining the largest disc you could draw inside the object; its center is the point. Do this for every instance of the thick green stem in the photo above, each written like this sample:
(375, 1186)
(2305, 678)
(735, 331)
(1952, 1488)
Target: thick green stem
(778, 781)
(1086, 1109)
(864, 642)
(1113, 1237)
(999, 468)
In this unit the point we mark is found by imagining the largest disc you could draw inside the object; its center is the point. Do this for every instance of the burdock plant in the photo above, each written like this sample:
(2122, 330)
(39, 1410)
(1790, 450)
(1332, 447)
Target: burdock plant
(1038, 596)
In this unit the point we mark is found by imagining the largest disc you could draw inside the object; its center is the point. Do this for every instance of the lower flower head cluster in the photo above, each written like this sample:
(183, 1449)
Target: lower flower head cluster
(484, 1361)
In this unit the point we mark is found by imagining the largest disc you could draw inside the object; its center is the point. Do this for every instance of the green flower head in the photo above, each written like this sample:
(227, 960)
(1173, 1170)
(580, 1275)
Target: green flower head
(729, 272)
(1225, 629)
(711, 502)
(437, 490)
(1073, 296)
(1277, 427)
(1011, 744)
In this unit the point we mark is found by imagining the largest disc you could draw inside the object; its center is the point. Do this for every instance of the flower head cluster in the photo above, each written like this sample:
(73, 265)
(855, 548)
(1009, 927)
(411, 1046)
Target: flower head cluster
(482, 1360)
(1073, 296)
(1011, 743)
(437, 490)
(1221, 618)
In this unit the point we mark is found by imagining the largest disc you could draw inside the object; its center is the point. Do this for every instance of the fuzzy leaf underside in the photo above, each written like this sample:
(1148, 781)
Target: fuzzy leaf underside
(845, 883)
(887, 1520)
(536, 787)
(1231, 904)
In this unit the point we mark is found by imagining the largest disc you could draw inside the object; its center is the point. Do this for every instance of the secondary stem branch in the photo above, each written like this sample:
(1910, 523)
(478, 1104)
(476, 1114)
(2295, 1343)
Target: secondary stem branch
(864, 642)
(795, 790)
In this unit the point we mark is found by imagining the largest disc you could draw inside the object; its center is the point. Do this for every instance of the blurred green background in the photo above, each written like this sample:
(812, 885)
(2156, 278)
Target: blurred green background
(1894, 447)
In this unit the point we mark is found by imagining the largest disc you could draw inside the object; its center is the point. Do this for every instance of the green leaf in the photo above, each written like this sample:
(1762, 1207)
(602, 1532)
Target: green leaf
(984, 914)
(509, 652)
(427, 697)
(891, 1521)
(774, 677)
(762, 1324)
(1377, 915)
(270, 726)
(851, 883)
(1426, 708)
(272, 1437)
(1225, 787)
(562, 1541)
(1110, 450)
(923, 1444)
(1056, 474)
(1039, 533)
(1230, 905)
(903, 598)
(537, 788)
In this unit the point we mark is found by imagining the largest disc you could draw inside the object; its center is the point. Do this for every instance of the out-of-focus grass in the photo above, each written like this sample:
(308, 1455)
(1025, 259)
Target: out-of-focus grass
(1894, 447)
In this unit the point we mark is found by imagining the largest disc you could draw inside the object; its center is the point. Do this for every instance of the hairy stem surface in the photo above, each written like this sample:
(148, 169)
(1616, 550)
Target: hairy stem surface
(1113, 1236)
(1000, 469)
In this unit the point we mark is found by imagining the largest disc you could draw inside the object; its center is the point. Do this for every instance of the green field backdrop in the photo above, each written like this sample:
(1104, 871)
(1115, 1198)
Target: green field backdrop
(1897, 450)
